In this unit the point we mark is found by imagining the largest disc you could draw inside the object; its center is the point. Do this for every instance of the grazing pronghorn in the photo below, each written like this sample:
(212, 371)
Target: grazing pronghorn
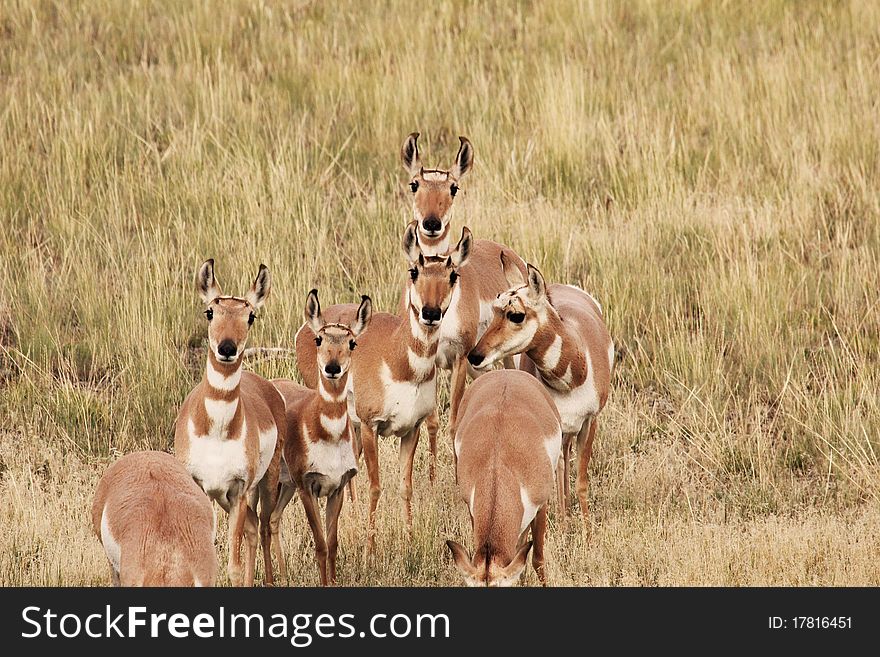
(394, 377)
(156, 525)
(482, 278)
(507, 446)
(561, 330)
(318, 449)
(230, 430)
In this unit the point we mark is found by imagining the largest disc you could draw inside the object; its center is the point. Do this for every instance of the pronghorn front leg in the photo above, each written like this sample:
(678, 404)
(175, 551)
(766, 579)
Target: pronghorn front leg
(285, 494)
(251, 535)
(432, 423)
(311, 508)
(237, 517)
(407, 455)
(358, 449)
(539, 528)
(331, 520)
(371, 458)
(584, 452)
(456, 390)
(269, 532)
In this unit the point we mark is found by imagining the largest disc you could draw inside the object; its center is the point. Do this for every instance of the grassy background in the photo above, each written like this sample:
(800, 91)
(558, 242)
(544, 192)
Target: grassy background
(707, 169)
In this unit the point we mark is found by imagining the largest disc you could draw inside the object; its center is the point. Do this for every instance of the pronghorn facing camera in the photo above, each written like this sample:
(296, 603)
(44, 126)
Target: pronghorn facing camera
(155, 523)
(482, 278)
(230, 429)
(507, 446)
(318, 449)
(561, 330)
(393, 369)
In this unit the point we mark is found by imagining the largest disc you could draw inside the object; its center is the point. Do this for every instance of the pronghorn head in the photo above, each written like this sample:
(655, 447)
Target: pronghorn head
(230, 318)
(432, 279)
(433, 190)
(335, 341)
(484, 569)
(517, 316)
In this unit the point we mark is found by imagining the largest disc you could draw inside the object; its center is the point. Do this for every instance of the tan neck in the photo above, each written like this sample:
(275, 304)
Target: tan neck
(558, 356)
(413, 345)
(221, 397)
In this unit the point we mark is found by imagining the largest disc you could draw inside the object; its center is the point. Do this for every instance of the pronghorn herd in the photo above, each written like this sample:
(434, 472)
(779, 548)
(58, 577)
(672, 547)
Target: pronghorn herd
(250, 444)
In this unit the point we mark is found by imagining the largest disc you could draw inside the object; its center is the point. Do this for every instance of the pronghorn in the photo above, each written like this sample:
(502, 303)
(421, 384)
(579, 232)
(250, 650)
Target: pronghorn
(230, 430)
(156, 525)
(318, 449)
(482, 279)
(393, 369)
(561, 330)
(507, 446)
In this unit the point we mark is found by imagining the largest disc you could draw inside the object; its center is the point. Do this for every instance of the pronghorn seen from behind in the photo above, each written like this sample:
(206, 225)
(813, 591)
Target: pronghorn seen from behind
(393, 369)
(481, 279)
(507, 445)
(318, 451)
(230, 429)
(155, 523)
(561, 331)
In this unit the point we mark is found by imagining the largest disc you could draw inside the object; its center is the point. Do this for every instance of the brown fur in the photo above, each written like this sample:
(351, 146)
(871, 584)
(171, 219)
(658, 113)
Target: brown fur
(161, 520)
(505, 417)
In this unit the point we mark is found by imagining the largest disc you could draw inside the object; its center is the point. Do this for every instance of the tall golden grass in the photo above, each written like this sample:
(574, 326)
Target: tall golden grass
(709, 170)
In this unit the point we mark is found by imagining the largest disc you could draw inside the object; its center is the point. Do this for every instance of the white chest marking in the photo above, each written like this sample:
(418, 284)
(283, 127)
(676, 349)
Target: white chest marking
(420, 365)
(551, 357)
(111, 547)
(220, 412)
(576, 405)
(406, 403)
(217, 380)
(216, 461)
(529, 509)
(331, 458)
(334, 425)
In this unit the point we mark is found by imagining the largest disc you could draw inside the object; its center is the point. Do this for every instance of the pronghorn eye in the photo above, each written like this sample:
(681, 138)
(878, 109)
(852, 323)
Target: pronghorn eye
(251, 319)
(414, 273)
(454, 189)
(453, 276)
(209, 313)
(318, 340)
(352, 344)
(414, 186)
(516, 318)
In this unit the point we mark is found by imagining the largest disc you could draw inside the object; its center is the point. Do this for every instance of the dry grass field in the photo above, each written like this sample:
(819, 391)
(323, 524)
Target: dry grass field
(708, 169)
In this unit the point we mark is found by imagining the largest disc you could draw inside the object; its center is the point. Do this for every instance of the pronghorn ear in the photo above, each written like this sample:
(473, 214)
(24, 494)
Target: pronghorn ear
(511, 272)
(462, 250)
(410, 242)
(409, 154)
(513, 570)
(460, 559)
(464, 160)
(206, 282)
(364, 314)
(537, 287)
(256, 296)
(312, 313)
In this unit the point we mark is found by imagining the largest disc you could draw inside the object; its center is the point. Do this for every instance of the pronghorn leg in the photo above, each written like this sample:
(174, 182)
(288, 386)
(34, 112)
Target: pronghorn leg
(331, 520)
(284, 496)
(407, 455)
(114, 576)
(237, 517)
(251, 535)
(358, 449)
(432, 422)
(269, 537)
(584, 452)
(456, 390)
(310, 504)
(509, 363)
(539, 528)
(371, 458)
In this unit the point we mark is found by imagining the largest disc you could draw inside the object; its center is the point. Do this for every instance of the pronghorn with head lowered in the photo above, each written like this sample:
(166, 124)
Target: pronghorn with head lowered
(394, 377)
(230, 429)
(318, 450)
(507, 445)
(561, 330)
(155, 523)
(482, 278)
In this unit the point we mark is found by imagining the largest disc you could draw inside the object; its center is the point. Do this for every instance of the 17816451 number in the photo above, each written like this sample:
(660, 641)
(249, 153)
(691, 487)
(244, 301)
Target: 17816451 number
(810, 623)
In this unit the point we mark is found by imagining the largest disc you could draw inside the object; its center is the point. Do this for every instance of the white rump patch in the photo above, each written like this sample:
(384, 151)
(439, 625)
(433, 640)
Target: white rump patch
(111, 547)
(529, 509)
(553, 445)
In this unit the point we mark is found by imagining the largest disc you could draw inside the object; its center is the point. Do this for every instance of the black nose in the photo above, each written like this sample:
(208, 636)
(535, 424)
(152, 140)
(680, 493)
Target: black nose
(332, 368)
(475, 359)
(431, 314)
(432, 224)
(227, 348)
